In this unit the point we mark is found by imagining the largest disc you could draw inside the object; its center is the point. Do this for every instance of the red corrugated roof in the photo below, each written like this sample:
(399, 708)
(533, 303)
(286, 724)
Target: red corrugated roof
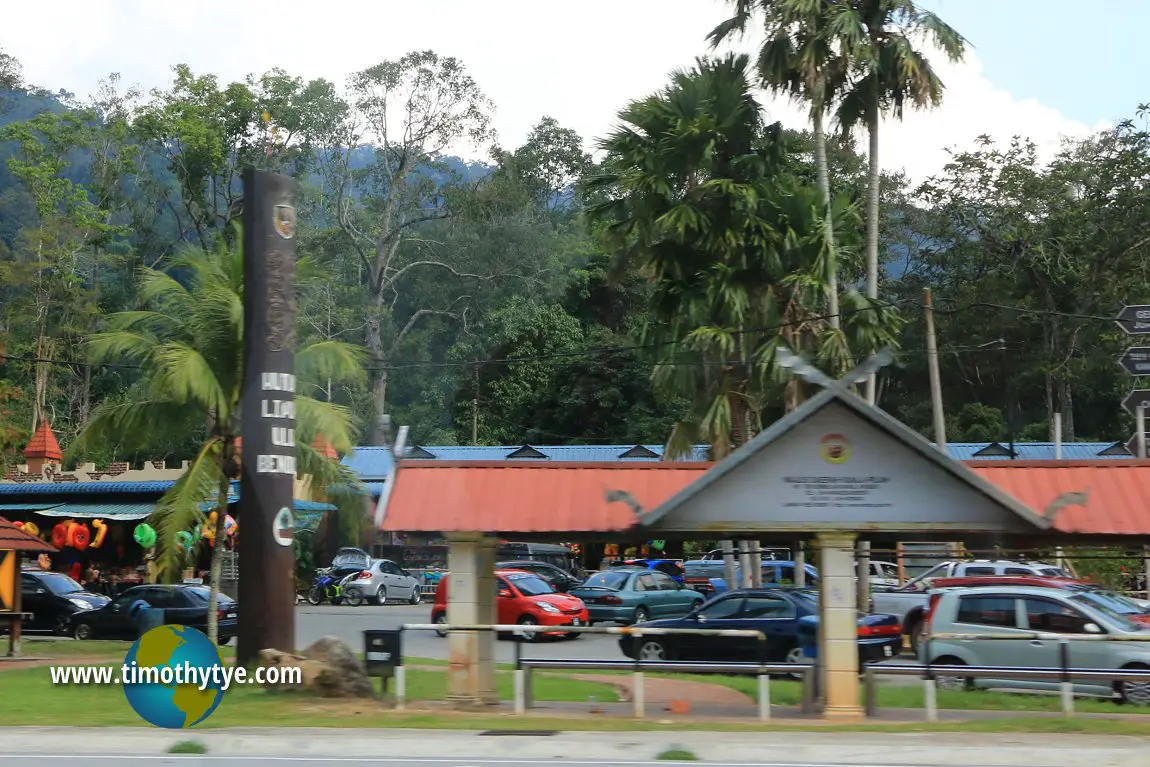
(12, 537)
(1117, 492)
(44, 445)
(559, 497)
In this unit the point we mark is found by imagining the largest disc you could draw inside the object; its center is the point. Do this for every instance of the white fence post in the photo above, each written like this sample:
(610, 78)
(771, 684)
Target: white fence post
(400, 688)
(930, 700)
(764, 697)
(638, 694)
(520, 691)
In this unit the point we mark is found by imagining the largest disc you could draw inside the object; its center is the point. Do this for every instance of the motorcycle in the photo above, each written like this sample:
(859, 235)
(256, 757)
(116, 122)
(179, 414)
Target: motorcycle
(328, 586)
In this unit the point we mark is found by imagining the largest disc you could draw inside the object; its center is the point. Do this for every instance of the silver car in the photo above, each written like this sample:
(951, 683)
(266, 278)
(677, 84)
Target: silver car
(1023, 627)
(384, 581)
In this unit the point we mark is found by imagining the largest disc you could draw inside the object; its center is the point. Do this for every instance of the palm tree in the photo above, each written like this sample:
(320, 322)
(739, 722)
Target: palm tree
(888, 73)
(188, 342)
(697, 198)
(800, 59)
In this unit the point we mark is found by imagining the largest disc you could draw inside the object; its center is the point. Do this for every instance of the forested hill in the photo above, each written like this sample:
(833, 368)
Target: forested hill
(485, 293)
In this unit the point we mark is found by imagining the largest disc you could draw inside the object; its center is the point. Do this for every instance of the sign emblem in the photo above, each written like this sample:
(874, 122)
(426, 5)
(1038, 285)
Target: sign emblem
(283, 527)
(835, 448)
(283, 218)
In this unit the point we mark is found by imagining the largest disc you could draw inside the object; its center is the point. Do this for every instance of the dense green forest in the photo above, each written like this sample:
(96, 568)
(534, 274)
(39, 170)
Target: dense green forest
(553, 295)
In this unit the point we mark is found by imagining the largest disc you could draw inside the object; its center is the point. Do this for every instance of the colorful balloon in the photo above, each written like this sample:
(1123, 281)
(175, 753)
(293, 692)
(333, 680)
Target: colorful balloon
(184, 540)
(79, 537)
(144, 535)
(60, 535)
(101, 529)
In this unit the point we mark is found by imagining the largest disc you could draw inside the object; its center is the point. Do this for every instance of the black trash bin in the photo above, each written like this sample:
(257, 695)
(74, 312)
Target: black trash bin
(145, 616)
(382, 653)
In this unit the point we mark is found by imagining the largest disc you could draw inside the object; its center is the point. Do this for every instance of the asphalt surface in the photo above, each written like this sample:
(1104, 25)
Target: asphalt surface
(252, 761)
(349, 623)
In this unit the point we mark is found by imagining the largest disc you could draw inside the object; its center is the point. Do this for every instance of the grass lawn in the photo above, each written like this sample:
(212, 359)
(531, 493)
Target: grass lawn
(789, 693)
(30, 698)
(41, 647)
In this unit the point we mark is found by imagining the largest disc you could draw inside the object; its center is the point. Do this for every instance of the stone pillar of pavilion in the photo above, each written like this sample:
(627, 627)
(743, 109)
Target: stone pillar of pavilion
(838, 626)
(43, 451)
(471, 600)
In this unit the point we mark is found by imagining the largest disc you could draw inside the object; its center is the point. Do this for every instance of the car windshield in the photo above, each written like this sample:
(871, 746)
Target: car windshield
(1113, 601)
(608, 580)
(1099, 605)
(1053, 572)
(808, 594)
(531, 585)
(59, 583)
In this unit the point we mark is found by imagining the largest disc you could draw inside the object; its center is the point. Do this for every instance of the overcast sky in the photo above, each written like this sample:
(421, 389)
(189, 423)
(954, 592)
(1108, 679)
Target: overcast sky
(581, 62)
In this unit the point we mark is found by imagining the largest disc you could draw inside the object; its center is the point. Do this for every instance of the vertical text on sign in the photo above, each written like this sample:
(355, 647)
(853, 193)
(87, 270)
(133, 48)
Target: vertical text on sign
(281, 436)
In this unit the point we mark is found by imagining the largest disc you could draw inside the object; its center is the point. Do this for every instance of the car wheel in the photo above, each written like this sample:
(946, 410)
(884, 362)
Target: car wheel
(796, 657)
(642, 615)
(527, 635)
(416, 595)
(440, 620)
(1134, 693)
(654, 650)
(381, 595)
(952, 682)
(83, 631)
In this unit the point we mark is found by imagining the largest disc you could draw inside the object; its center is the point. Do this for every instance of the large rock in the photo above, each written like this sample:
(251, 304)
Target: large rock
(328, 668)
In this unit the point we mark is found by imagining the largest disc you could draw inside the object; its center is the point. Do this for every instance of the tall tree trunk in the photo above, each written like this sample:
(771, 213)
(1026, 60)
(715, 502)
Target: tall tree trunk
(872, 201)
(824, 183)
(216, 569)
(378, 377)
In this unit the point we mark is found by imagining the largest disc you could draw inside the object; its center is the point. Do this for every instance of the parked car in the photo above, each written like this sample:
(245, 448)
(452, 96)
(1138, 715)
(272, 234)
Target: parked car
(551, 553)
(909, 602)
(700, 576)
(1133, 609)
(699, 572)
(384, 581)
(347, 560)
(669, 567)
(527, 600)
(182, 605)
(775, 612)
(52, 598)
(560, 580)
(630, 594)
(1031, 622)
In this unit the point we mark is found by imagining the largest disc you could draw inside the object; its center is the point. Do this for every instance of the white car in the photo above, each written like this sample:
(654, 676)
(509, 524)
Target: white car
(384, 581)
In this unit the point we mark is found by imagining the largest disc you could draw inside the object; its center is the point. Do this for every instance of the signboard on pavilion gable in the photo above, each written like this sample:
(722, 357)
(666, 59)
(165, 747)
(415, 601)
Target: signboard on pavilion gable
(840, 465)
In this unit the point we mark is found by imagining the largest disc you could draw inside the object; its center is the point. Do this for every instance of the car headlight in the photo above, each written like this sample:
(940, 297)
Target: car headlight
(548, 607)
(80, 603)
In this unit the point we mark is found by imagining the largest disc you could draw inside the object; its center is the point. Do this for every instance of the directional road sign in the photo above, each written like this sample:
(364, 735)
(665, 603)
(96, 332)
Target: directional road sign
(1134, 320)
(1132, 444)
(1136, 360)
(1136, 398)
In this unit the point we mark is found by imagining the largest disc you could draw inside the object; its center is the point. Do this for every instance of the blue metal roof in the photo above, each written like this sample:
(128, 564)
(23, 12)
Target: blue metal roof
(1032, 451)
(85, 488)
(373, 463)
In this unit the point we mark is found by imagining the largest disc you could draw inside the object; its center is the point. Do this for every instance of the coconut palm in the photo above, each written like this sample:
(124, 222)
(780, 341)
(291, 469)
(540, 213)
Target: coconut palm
(800, 59)
(888, 74)
(188, 342)
(698, 199)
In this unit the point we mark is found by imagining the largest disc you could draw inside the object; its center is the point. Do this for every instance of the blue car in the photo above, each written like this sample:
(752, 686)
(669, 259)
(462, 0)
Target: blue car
(775, 612)
(670, 567)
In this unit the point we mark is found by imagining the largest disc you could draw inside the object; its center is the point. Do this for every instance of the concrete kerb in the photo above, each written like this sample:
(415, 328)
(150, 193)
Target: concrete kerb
(888, 748)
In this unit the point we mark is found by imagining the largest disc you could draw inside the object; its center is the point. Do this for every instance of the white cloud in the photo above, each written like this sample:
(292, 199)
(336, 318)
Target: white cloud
(578, 62)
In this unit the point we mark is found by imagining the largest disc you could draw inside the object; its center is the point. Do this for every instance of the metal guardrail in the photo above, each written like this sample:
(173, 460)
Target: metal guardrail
(637, 666)
(1065, 673)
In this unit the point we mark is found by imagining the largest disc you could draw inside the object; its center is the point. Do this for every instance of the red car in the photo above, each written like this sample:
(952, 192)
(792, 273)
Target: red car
(525, 599)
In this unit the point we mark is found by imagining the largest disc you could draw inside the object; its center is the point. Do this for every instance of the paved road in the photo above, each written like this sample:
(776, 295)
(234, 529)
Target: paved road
(349, 623)
(253, 761)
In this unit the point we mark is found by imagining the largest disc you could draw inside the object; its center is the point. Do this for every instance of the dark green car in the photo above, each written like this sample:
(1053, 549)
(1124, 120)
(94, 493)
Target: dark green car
(634, 595)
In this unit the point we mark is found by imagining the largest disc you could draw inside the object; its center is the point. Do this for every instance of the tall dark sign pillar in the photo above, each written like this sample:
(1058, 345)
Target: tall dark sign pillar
(266, 524)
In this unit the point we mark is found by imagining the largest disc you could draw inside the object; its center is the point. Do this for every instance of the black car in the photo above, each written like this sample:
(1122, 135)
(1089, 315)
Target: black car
(775, 612)
(52, 598)
(560, 580)
(183, 605)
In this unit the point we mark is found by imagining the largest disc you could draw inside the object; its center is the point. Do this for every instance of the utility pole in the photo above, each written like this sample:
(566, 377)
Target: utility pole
(935, 375)
(267, 558)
